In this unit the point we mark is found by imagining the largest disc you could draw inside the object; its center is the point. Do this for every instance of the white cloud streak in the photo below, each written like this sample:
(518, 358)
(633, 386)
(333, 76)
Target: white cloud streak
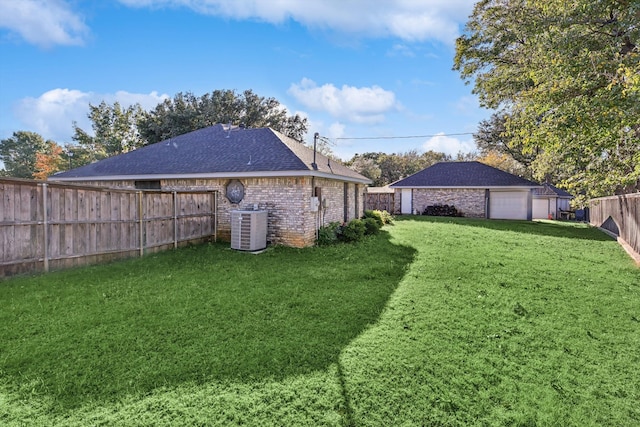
(365, 105)
(52, 114)
(44, 23)
(47, 23)
(449, 145)
(411, 20)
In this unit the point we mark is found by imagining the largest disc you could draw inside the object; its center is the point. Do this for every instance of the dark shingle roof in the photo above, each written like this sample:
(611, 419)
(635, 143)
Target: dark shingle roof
(552, 190)
(215, 151)
(463, 174)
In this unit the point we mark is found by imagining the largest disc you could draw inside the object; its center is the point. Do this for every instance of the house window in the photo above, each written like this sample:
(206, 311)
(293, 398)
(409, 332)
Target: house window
(147, 185)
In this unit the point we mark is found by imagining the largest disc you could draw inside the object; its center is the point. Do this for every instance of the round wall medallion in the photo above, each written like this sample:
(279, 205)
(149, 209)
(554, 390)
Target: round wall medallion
(235, 191)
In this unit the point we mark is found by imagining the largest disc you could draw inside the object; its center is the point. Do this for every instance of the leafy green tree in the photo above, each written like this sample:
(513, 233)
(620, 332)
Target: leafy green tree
(186, 112)
(384, 168)
(492, 137)
(368, 168)
(568, 74)
(18, 153)
(115, 129)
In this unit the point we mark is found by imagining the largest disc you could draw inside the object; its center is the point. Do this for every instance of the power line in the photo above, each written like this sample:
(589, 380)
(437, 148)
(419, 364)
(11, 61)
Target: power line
(405, 137)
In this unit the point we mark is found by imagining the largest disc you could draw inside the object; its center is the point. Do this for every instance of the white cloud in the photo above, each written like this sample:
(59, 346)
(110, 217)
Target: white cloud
(449, 145)
(358, 105)
(336, 130)
(43, 22)
(53, 113)
(411, 20)
(467, 104)
(401, 50)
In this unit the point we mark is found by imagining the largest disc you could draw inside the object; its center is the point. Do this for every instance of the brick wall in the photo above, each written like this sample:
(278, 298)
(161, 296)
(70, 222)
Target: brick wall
(471, 202)
(333, 192)
(287, 201)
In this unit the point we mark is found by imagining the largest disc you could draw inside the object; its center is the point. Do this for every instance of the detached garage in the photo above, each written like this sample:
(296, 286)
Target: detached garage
(475, 189)
(549, 201)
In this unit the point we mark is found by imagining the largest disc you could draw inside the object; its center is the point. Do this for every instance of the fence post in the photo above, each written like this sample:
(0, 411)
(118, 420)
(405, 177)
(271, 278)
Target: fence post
(45, 224)
(175, 220)
(140, 216)
(215, 216)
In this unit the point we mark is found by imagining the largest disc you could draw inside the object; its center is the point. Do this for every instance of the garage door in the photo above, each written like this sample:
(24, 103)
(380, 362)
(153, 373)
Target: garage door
(541, 208)
(508, 204)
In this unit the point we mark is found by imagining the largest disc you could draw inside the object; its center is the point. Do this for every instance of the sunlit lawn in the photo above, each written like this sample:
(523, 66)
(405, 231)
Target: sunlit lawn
(434, 322)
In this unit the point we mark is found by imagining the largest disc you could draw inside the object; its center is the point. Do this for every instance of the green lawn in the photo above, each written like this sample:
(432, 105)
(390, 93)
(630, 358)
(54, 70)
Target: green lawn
(433, 322)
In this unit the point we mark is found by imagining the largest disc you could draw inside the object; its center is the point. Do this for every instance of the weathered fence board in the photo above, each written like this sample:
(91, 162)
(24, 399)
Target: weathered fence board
(51, 225)
(624, 211)
(379, 201)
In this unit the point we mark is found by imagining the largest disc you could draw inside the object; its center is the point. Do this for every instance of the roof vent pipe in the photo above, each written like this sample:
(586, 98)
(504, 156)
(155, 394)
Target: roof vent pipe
(315, 140)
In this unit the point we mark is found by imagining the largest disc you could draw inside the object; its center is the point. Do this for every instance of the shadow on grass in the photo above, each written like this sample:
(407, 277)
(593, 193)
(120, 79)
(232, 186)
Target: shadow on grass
(194, 315)
(570, 230)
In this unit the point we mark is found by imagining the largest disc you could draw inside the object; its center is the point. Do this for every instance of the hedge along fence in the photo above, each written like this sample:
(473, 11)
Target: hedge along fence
(47, 226)
(620, 215)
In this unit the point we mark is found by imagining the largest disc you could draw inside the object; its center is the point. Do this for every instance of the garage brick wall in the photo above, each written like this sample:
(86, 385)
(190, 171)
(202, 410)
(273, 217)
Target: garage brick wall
(470, 202)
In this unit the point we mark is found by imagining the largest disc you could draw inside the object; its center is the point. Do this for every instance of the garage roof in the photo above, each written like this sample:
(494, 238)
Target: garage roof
(463, 175)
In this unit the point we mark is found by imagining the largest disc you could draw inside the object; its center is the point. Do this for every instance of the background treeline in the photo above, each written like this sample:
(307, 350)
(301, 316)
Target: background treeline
(117, 129)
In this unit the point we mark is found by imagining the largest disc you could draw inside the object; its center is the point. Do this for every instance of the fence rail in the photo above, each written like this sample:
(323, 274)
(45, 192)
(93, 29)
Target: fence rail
(47, 226)
(620, 215)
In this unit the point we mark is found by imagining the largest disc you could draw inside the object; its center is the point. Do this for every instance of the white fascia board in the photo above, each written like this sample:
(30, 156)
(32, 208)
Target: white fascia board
(513, 188)
(217, 175)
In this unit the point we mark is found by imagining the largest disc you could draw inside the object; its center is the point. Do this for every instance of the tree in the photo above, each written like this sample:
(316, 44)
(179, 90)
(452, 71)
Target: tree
(368, 168)
(504, 162)
(186, 112)
(568, 74)
(18, 153)
(115, 129)
(49, 161)
(384, 168)
(492, 137)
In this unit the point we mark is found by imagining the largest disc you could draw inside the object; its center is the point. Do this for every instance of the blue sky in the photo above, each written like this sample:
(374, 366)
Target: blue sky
(354, 68)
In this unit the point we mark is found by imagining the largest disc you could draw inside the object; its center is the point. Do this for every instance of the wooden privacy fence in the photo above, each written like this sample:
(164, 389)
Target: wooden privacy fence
(47, 226)
(379, 201)
(620, 215)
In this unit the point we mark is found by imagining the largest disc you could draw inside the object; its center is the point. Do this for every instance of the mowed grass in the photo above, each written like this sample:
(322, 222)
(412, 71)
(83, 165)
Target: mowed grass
(435, 322)
(503, 323)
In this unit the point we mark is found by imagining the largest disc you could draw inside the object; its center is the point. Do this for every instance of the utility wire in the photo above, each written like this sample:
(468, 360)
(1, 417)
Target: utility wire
(406, 137)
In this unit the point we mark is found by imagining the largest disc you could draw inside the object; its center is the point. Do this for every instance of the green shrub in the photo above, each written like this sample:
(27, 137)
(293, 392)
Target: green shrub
(387, 218)
(371, 226)
(375, 215)
(353, 231)
(382, 217)
(329, 234)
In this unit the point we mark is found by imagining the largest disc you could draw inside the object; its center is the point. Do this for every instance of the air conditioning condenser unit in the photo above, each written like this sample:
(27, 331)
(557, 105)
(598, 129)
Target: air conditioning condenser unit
(248, 230)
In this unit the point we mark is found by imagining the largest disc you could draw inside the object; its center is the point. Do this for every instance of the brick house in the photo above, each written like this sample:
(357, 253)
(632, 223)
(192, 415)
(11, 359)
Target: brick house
(251, 169)
(475, 189)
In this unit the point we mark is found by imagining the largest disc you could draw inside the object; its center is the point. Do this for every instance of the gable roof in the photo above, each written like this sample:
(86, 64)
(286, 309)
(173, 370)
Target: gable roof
(552, 190)
(216, 152)
(463, 175)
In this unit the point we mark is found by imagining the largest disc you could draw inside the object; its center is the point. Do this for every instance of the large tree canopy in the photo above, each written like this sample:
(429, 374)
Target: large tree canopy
(115, 129)
(384, 169)
(187, 112)
(19, 153)
(568, 74)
